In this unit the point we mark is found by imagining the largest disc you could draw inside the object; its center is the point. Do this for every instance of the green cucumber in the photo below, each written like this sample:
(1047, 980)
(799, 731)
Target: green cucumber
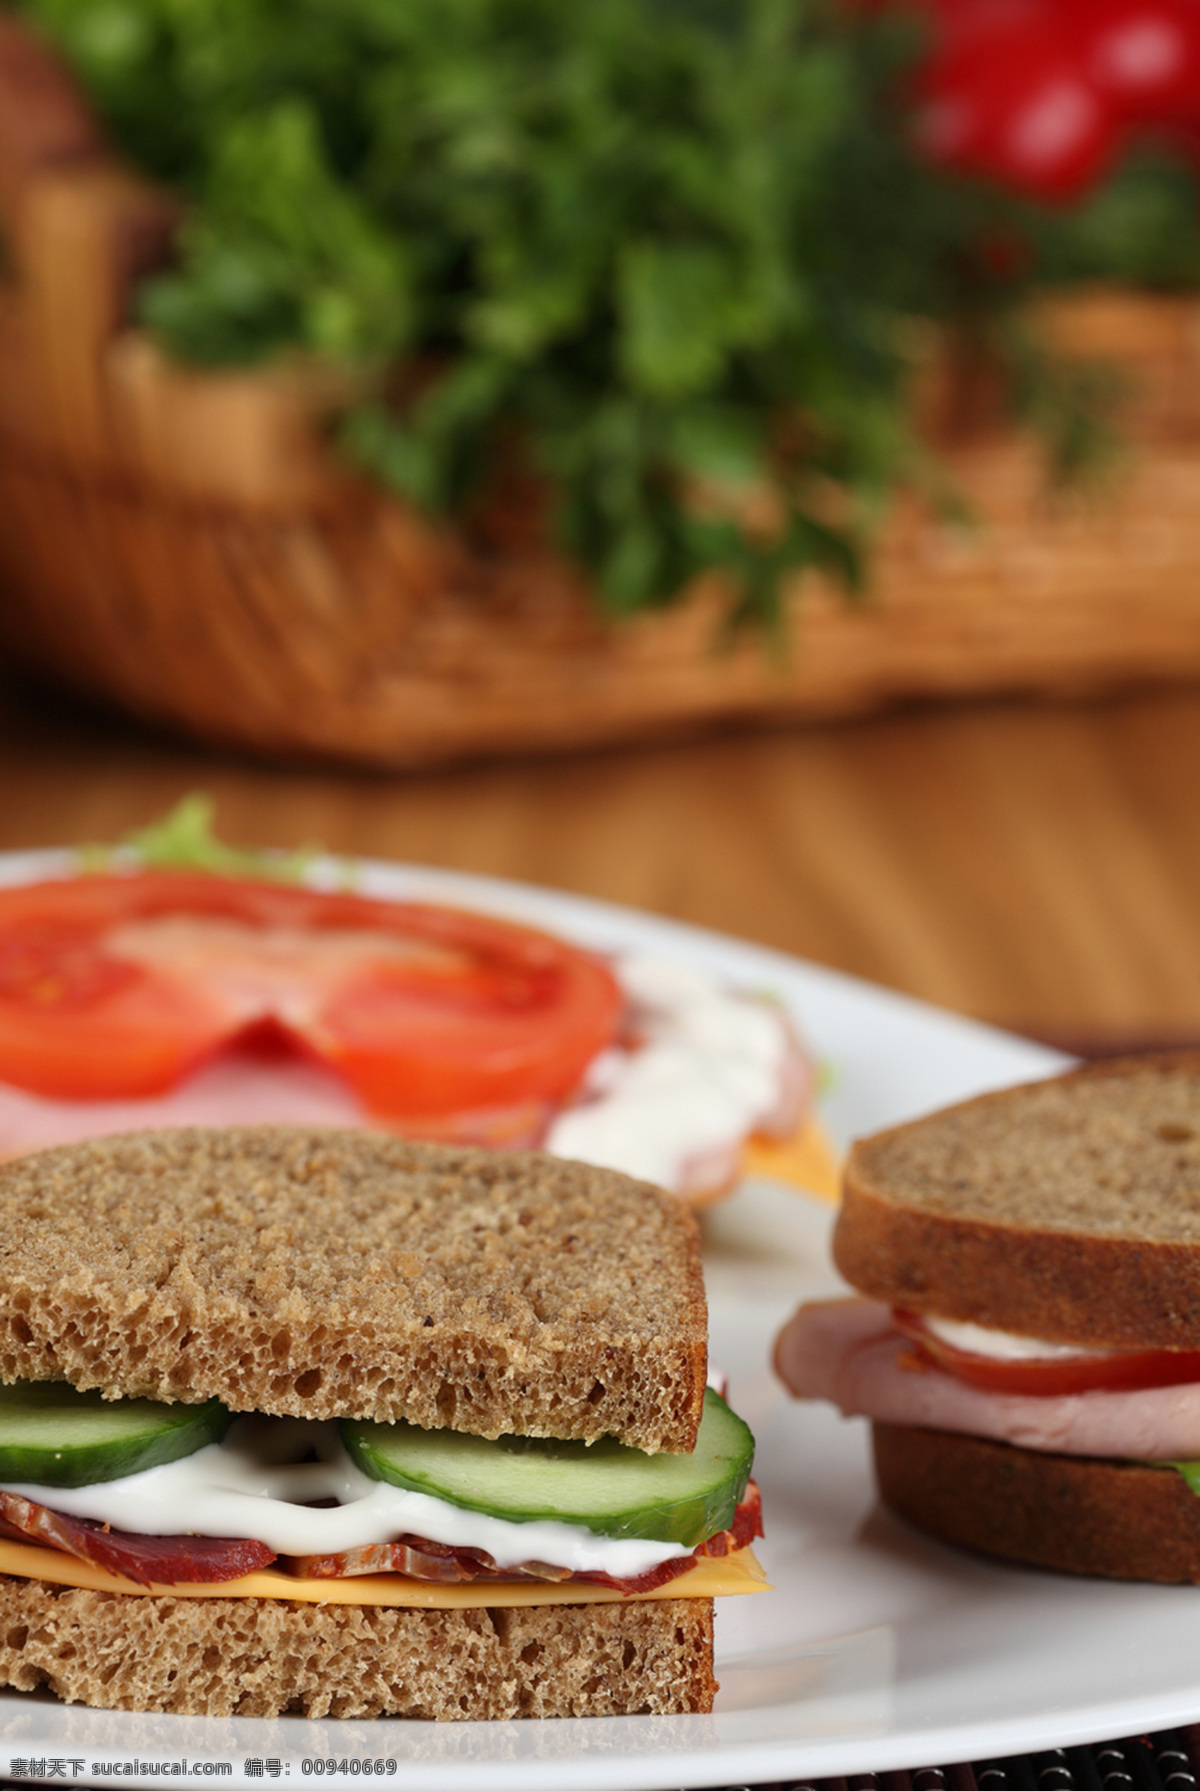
(52, 1435)
(606, 1487)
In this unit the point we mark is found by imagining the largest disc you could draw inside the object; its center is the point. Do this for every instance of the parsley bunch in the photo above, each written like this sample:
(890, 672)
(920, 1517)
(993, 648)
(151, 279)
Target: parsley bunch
(662, 256)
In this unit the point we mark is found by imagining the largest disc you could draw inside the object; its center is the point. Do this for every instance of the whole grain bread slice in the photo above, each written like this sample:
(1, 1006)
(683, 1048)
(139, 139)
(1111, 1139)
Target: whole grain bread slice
(325, 1274)
(270, 1657)
(1122, 1520)
(1067, 1209)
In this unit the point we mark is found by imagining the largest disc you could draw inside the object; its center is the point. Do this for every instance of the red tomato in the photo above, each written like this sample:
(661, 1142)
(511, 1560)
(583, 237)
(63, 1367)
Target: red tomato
(1184, 136)
(1053, 1375)
(118, 986)
(1142, 56)
(1004, 97)
(959, 21)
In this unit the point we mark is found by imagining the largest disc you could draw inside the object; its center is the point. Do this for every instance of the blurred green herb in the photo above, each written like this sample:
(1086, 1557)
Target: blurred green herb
(664, 255)
(183, 840)
(1142, 227)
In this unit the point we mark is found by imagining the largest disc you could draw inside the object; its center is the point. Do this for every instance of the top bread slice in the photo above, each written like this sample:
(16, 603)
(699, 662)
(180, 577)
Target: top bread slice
(345, 1274)
(1067, 1209)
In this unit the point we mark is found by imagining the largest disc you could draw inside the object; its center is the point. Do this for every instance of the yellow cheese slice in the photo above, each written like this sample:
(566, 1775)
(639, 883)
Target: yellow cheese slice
(737, 1573)
(807, 1159)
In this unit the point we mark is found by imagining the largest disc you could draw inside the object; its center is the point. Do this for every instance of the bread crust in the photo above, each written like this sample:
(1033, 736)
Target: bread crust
(268, 1657)
(1067, 1209)
(1117, 1519)
(327, 1273)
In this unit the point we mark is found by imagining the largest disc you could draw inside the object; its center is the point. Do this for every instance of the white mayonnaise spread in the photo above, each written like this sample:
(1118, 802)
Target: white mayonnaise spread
(1003, 1346)
(252, 1485)
(710, 1067)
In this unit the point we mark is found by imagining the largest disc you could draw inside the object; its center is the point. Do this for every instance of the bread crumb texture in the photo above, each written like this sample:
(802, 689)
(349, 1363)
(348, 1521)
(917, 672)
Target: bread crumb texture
(263, 1657)
(1107, 1151)
(1116, 1519)
(1067, 1209)
(326, 1274)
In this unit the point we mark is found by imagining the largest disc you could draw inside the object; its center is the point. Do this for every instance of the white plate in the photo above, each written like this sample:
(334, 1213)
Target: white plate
(876, 1650)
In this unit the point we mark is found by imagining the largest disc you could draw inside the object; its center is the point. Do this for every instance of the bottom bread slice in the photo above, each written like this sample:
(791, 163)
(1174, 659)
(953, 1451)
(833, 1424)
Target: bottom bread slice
(270, 1657)
(1118, 1519)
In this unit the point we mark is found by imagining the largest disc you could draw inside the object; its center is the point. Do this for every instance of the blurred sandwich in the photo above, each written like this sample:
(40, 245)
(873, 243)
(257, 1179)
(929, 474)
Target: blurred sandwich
(144, 998)
(1027, 1346)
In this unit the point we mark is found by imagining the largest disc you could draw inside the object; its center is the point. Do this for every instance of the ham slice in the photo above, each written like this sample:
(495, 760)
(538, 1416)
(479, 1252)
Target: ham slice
(261, 1086)
(238, 1088)
(848, 1351)
(147, 1560)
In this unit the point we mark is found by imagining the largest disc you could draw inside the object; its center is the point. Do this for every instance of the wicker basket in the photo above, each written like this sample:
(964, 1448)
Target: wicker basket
(186, 545)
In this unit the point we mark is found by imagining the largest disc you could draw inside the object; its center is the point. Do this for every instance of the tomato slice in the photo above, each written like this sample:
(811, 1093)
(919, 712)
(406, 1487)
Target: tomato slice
(118, 986)
(1110, 1370)
(1005, 95)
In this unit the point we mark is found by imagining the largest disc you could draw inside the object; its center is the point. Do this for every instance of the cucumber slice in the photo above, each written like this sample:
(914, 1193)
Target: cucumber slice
(52, 1435)
(607, 1487)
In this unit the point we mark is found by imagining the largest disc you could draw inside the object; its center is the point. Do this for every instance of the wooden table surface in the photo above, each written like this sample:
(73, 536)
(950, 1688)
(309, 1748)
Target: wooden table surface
(1034, 865)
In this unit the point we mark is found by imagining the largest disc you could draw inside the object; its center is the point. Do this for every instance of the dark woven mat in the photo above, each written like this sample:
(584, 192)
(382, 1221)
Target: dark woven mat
(1169, 1761)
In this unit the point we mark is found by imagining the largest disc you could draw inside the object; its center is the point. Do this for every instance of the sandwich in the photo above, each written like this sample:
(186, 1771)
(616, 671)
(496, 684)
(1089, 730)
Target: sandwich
(1026, 1342)
(185, 983)
(326, 1423)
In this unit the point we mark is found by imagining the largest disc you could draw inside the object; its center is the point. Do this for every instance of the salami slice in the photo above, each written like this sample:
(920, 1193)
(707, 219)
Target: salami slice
(147, 1560)
(424, 1560)
(175, 1560)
